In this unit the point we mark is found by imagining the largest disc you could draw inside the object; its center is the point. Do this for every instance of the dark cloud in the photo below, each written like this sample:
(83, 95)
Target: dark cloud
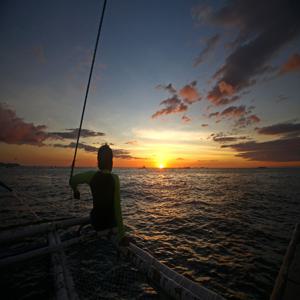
(242, 115)
(211, 43)
(234, 111)
(245, 121)
(173, 106)
(169, 88)
(223, 138)
(286, 129)
(281, 150)
(179, 101)
(117, 153)
(16, 131)
(264, 29)
(174, 101)
(73, 132)
(85, 147)
(292, 64)
(124, 154)
(204, 125)
(131, 143)
(281, 98)
(214, 114)
(185, 119)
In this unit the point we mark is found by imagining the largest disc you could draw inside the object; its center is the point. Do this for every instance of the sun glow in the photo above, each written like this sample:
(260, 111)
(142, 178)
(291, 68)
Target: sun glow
(161, 166)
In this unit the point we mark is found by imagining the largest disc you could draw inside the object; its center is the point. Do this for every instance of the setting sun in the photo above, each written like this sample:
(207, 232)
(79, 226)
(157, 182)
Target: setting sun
(161, 166)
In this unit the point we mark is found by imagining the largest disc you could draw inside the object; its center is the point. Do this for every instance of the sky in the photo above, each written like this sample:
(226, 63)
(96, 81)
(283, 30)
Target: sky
(179, 83)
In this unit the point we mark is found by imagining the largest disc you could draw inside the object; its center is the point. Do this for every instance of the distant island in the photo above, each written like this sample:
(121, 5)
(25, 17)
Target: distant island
(9, 165)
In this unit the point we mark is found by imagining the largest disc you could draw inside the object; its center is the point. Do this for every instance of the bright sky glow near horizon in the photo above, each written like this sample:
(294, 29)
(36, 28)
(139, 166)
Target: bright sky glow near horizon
(175, 84)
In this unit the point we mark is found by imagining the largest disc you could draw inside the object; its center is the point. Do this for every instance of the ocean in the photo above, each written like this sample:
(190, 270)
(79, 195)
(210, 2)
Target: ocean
(226, 229)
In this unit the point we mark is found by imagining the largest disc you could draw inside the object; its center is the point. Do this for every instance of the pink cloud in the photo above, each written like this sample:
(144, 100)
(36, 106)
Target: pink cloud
(189, 93)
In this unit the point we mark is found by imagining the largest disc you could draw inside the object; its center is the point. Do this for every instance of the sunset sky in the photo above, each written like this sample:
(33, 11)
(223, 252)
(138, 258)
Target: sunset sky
(178, 83)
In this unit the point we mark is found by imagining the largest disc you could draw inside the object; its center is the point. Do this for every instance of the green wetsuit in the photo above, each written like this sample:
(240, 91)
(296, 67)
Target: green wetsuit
(105, 187)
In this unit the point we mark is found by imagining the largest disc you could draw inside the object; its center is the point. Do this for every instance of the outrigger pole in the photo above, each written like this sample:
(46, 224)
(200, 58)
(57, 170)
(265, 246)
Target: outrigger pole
(88, 87)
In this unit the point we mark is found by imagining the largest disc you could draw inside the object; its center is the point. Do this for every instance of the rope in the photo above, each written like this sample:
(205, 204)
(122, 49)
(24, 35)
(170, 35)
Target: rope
(88, 87)
(15, 195)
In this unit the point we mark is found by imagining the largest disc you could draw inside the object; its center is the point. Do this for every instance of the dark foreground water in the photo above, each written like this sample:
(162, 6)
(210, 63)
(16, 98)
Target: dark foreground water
(227, 229)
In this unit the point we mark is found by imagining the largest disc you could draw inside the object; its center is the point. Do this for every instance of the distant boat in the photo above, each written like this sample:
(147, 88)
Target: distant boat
(143, 167)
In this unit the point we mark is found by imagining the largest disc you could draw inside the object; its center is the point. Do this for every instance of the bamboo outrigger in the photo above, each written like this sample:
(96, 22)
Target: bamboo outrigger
(162, 278)
(287, 285)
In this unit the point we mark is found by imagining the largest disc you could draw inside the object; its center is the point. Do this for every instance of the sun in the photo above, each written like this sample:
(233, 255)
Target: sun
(161, 166)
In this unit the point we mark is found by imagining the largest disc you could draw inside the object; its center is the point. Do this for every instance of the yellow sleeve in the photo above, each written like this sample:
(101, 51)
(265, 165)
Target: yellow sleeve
(81, 178)
(118, 210)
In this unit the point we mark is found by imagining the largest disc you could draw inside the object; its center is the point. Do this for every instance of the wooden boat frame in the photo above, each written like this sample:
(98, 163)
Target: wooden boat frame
(162, 278)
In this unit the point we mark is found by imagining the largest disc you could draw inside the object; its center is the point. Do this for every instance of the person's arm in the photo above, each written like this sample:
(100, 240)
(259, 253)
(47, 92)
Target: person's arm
(80, 178)
(118, 211)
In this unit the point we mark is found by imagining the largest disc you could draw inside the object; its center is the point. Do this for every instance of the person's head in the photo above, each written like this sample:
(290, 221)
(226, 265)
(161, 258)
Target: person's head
(105, 158)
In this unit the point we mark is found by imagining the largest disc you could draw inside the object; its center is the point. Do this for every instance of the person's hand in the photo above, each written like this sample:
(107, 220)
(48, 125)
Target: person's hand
(76, 194)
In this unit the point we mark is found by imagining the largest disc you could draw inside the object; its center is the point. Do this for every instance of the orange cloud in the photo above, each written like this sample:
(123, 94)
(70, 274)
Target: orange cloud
(292, 64)
(226, 88)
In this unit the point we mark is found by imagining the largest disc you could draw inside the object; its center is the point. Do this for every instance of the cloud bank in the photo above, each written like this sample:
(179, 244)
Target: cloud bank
(286, 129)
(284, 149)
(15, 130)
(281, 150)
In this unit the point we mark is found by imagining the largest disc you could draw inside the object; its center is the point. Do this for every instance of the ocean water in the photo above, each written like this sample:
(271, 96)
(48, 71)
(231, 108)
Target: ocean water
(227, 229)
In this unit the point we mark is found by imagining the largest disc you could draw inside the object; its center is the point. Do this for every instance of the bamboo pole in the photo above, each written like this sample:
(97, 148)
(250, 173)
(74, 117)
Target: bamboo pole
(67, 275)
(172, 283)
(281, 279)
(59, 281)
(49, 249)
(20, 233)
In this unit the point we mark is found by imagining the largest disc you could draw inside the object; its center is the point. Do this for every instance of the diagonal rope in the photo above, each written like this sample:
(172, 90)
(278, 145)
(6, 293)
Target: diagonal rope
(88, 87)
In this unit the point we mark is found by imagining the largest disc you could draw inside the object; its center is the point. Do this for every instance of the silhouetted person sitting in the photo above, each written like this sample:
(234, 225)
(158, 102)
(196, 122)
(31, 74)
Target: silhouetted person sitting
(105, 187)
